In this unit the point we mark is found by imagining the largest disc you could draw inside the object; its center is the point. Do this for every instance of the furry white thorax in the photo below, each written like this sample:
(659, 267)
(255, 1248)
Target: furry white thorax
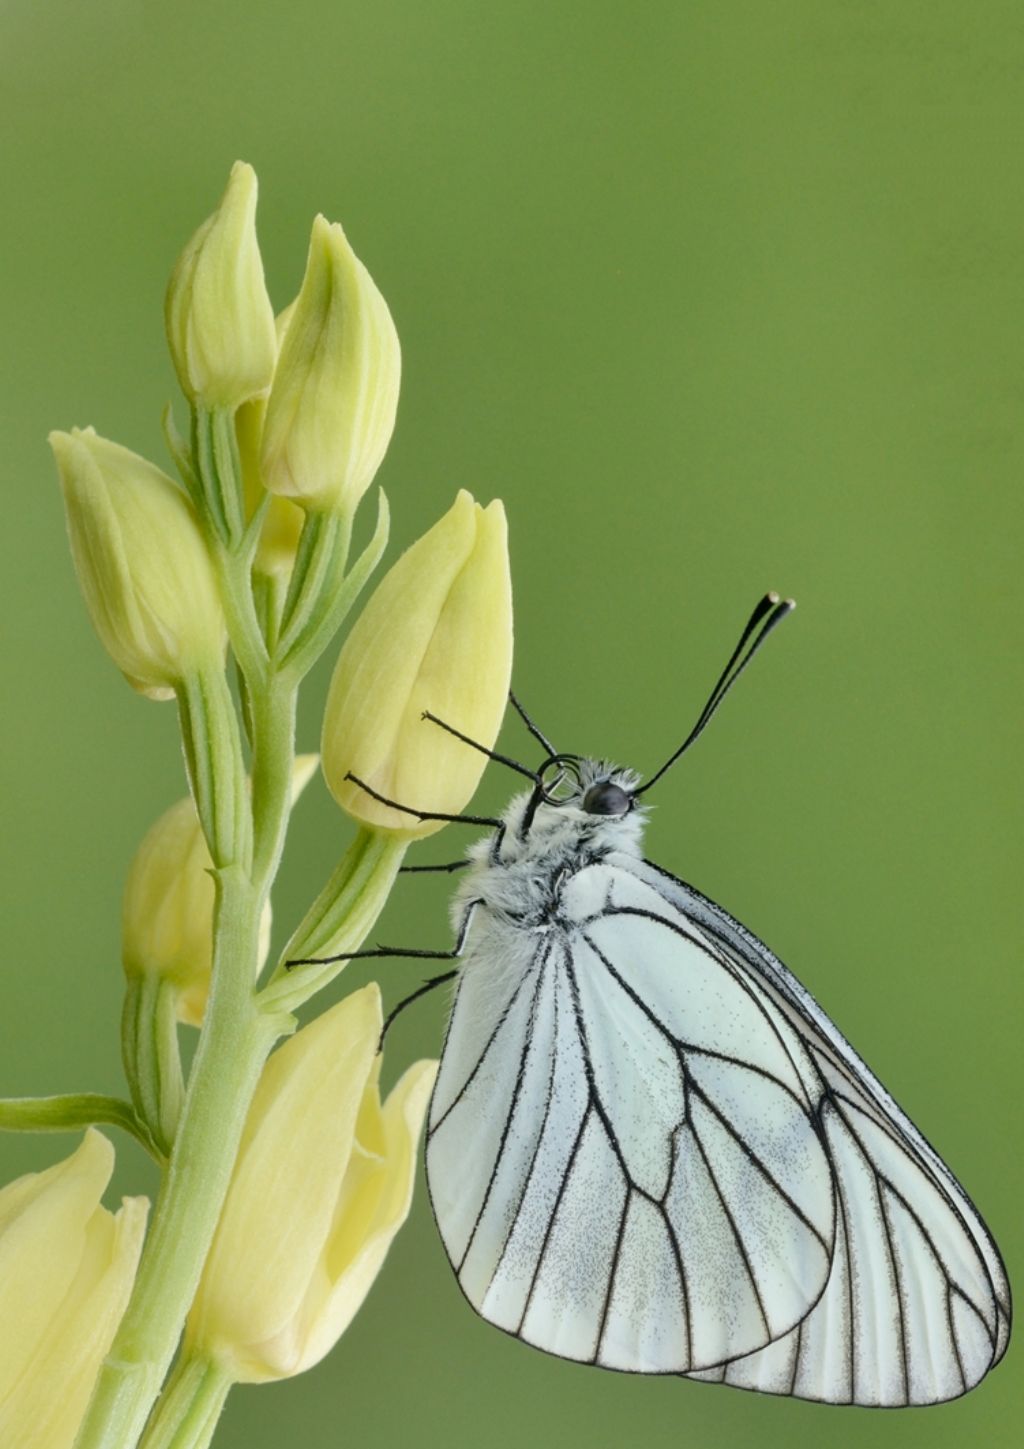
(518, 885)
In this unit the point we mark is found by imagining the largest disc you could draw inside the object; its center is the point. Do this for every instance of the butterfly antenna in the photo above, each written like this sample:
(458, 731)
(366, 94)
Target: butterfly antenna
(528, 722)
(770, 611)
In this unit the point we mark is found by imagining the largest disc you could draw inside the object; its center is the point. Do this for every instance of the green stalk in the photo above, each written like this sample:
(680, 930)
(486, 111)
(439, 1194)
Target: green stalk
(235, 1041)
(273, 719)
(216, 769)
(240, 613)
(217, 470)
(149, 1050)
(245, 833)
(189, 1407)
(71, 1112)
(245, 830)
(340, 918)
(297, 651)
(317, 576)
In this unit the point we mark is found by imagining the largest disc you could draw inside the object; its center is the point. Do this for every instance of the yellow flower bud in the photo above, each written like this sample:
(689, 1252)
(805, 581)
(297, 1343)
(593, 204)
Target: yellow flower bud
(220, 324)
(284, 521)
(167, 911)
(279, 537)
(322, 1183)
(67, 1267)
(436, 635)
(331, 410)
(143, 568)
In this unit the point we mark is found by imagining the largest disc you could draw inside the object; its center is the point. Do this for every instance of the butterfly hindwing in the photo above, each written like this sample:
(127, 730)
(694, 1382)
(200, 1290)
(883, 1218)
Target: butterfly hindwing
(917, 1306)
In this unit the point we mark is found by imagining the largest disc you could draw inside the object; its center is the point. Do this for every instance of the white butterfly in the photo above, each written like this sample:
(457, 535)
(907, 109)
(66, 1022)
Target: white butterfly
(650, 1149)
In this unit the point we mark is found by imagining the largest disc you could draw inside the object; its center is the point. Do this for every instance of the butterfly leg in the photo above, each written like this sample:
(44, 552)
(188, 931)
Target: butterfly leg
(428, 985)
(432, 981)
(423, 814)
(475, 744)
(497, 825)
(449, 866)
(453, 865)
(413, 952)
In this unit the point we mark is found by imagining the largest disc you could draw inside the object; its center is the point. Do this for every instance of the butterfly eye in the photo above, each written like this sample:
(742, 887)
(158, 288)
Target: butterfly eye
(606, 798)
(559, 780)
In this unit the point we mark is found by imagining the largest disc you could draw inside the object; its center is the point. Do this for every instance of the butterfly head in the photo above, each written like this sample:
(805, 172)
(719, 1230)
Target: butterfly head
(580, 798)
(591, 786)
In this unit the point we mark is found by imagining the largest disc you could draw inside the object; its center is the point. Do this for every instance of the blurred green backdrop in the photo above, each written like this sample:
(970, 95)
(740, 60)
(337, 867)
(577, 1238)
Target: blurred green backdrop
(717, 296)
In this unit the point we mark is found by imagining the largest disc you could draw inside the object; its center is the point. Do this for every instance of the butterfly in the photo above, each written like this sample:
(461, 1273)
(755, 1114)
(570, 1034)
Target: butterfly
(649, 1149)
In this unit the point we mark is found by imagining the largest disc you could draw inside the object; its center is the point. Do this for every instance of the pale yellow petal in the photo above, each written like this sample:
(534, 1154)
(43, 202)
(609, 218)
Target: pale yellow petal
(373, 1206)
(143, 568)
(332, 406)
(220, 324)
(436, 635)
(294, 1154)
(67, 1267)
(43, 1219)
(46, 1406)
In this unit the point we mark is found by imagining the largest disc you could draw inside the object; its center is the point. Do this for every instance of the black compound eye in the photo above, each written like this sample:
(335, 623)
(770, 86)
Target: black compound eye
(604, 798)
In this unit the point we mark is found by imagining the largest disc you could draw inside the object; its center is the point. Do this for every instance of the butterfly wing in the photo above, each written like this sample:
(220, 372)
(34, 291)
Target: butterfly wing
(623, 1158)
(917, 1307)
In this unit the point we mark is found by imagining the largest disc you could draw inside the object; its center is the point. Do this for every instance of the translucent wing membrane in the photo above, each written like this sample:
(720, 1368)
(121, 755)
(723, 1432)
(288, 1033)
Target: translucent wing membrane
(650, 1149)
(617, 1177)
(917, 1307)
(709, 1140)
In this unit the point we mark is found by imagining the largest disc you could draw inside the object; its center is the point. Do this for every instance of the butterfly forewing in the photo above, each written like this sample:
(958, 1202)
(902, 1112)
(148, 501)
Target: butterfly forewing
(623, 1158)
(498, 1043)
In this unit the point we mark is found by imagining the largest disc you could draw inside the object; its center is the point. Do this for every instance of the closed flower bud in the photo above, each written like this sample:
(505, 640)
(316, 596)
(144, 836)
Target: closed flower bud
(435, 636)
(331, 410)
(220, 324)
(279, 537)
(66, 1269)
(322, 1183)
(142, 565)
(284, 521)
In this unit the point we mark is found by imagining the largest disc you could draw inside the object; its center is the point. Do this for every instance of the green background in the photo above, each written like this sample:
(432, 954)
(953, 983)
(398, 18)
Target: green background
(717, 296)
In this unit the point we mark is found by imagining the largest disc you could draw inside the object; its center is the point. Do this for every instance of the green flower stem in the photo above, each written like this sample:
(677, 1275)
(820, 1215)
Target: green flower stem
(233, 1045)
(73, 1111)
(340, 918)
(240, 612)
(245, 830)
(217, 471)
(273, 720)
(216, 768)
(269, 592)
(149, 1048)
(213, 475)
(298, 652)
(177, 446)
(189, 1407)
(317, 575)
